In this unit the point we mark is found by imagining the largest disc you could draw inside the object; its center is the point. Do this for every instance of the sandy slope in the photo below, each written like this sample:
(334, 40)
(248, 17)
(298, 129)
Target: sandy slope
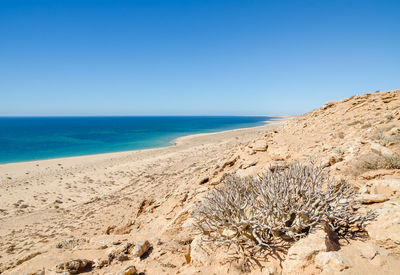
(107, 201)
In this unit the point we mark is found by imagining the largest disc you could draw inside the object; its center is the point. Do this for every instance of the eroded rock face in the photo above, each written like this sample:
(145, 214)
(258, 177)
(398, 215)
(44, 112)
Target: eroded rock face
(74, 266)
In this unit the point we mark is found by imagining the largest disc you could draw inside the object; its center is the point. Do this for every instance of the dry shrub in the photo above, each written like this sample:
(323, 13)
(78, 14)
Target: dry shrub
(382, 162)
(380, 135)
(254, 214)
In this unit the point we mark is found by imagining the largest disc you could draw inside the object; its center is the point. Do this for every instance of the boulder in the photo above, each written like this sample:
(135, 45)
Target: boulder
(303, 252)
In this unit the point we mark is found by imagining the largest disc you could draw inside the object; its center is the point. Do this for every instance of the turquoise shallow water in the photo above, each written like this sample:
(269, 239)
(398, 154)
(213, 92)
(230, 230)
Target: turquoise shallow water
(35, 138)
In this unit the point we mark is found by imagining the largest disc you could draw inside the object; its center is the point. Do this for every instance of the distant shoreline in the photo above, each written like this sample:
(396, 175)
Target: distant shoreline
(174, 142)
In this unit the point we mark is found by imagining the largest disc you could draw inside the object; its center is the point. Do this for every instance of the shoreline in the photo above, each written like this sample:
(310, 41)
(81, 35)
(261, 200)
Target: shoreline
(171, 143)
(38, 185)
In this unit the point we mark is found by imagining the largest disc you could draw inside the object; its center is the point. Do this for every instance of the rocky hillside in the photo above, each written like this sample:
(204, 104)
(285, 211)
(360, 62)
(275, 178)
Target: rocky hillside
(357, 139)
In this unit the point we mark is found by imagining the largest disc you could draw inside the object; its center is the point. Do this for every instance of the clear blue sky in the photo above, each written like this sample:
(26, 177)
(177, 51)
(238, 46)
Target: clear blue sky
(193, 57)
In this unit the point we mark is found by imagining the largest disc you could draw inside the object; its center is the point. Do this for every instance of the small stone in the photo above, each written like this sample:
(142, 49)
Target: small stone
(38, 272)
(99, 263)
(130, 270)
(74, 266)
(372, 198)
(260, 146)
(140, 248)
(122, 257)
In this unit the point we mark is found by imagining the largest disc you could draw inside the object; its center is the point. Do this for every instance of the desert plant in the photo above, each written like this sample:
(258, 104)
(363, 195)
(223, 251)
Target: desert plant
(280, 206)
(382, 162)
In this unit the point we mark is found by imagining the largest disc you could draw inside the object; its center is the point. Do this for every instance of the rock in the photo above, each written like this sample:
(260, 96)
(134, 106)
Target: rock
(130, 270)
(38, 272)
(278, 165)
(385, 229)
(249, 163)
(122, 257)
(331, 262)
(74, 266)
(260, 146)
(394, 131)
(386, 187)
(140, 248)
(302, 253)
(109, 229)
(363, 190)
(271, 271)
(198, 255)
(120, 249)
(71, 243)
(100, 263)
(120, 252)
(381, 150)
(372, 198)
(328, 105)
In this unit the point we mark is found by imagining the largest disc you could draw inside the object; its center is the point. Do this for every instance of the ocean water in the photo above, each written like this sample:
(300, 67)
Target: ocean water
(35, 138)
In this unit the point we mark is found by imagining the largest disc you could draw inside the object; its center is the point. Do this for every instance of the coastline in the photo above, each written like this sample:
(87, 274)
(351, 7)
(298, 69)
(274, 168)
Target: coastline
(173, 142)
(37, 176)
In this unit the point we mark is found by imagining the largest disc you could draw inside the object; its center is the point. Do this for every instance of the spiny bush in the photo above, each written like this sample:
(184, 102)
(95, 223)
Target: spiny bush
(280, 206)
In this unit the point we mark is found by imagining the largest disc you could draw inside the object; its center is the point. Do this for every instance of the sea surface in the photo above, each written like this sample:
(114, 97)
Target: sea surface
(35, 138)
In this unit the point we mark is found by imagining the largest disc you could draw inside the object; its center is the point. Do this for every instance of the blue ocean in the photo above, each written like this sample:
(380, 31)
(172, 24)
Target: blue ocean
(35, 138)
